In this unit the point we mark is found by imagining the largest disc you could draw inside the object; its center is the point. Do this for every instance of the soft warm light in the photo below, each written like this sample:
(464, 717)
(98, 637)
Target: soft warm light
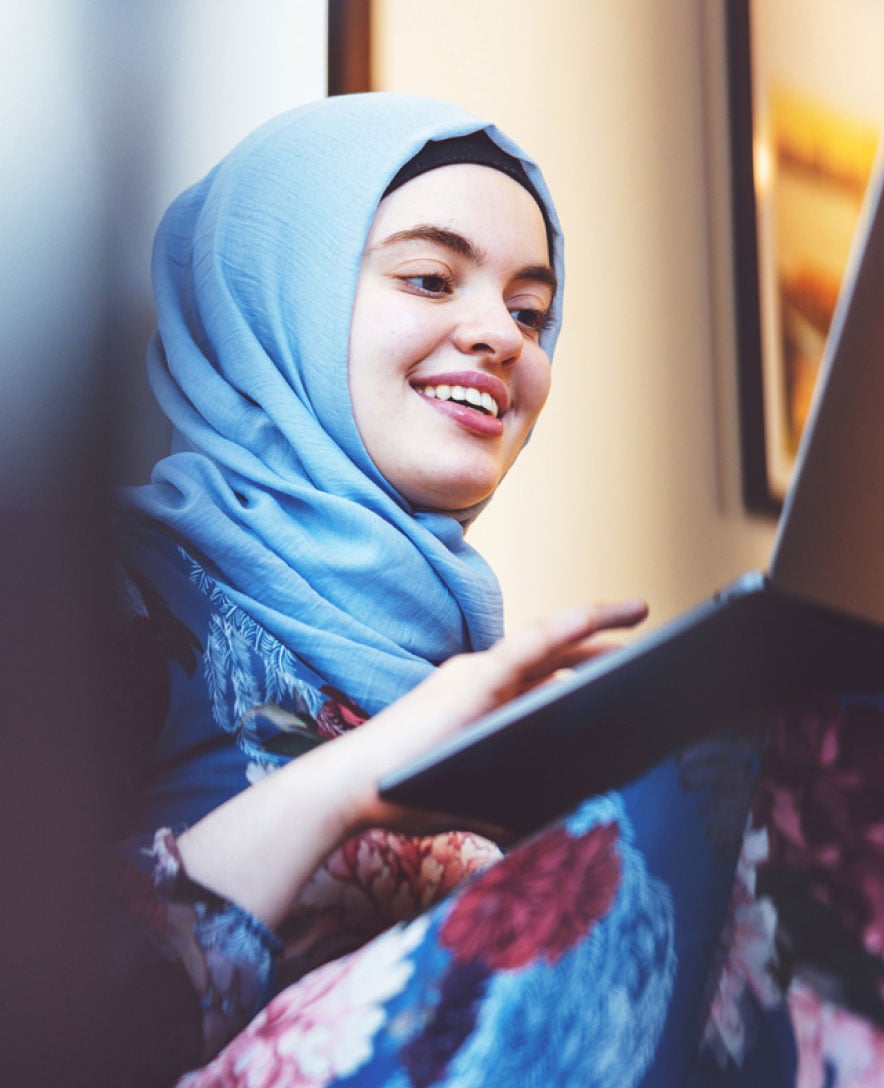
(763, 162)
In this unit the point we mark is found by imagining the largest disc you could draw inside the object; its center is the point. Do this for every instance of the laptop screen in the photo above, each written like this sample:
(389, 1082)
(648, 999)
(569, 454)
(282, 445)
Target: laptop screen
(830, 544)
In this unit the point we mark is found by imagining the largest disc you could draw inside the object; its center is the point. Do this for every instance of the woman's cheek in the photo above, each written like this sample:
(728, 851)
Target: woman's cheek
(538, 381)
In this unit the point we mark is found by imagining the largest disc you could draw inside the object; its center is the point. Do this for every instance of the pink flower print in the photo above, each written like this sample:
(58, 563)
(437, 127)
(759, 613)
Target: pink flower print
(320, 1028)
(805, 1009)
(747, 948)
(819, 795)
(538, 901)
(828, 1035)
(338, 714)
(381, 877)
(373, 881)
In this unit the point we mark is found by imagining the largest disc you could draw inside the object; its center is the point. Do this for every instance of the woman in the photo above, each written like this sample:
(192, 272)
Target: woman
(300, 559)
(356, 313)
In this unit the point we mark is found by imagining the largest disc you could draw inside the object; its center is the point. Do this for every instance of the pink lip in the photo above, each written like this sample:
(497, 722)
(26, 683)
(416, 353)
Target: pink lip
(468, 418)
(477, 379)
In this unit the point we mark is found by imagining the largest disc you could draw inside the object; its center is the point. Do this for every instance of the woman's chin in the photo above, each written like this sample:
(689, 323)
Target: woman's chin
(448, 500)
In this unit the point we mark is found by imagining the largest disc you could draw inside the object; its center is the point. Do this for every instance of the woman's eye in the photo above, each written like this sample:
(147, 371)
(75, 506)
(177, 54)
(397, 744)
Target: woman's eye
(431, 283)
(535, 320)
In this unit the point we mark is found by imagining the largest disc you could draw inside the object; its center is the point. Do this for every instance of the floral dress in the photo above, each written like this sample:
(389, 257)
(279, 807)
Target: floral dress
(683, 931)
(800, 999)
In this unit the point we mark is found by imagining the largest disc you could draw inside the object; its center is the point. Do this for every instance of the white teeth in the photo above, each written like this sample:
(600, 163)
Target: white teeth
(463, 393)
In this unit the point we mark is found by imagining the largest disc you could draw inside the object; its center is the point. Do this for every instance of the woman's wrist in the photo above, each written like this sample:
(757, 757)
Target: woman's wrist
(261, 846)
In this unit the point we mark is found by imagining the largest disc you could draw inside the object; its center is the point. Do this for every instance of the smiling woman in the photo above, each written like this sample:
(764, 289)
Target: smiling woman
(357, 309)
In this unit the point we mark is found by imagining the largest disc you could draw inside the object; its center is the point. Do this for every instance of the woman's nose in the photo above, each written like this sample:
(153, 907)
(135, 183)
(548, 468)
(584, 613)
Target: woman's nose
(489, 329)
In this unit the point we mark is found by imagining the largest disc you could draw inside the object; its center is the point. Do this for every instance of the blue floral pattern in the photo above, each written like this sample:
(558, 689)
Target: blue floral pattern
(589, 954)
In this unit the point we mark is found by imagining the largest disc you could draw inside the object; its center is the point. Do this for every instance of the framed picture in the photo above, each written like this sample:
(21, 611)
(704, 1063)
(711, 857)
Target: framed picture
(806, 98)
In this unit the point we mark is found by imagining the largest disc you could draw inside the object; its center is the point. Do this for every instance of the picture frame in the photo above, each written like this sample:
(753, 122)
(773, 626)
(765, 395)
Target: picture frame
(349, 46)
(803, 139)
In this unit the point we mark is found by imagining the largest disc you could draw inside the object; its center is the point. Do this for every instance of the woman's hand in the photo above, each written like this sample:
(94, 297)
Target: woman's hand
(261, 846)
(469, 685)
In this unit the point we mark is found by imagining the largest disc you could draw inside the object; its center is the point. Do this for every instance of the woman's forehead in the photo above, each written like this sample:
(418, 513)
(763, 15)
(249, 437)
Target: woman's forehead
(476, 201)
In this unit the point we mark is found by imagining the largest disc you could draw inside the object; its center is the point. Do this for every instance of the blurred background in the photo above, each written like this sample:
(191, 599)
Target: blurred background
(630, 485)
(110, 108)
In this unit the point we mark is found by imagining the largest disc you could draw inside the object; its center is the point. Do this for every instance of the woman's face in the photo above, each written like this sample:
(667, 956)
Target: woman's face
(446, 372)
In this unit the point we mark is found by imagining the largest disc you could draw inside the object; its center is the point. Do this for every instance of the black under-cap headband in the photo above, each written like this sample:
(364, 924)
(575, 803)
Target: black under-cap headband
(477, 148)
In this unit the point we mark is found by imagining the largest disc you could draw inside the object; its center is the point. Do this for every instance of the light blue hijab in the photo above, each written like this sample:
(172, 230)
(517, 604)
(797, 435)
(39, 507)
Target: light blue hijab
(269, 485)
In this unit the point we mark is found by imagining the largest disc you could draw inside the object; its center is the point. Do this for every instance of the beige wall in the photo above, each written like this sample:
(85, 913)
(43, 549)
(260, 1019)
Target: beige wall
(630, 484)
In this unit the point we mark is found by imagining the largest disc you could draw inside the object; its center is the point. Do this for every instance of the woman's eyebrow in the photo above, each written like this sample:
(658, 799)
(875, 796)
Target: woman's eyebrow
(440, 236)
(542, 273)
(463, 247)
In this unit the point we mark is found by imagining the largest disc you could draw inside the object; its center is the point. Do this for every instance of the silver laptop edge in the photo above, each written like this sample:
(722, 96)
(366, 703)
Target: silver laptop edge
(829, 546)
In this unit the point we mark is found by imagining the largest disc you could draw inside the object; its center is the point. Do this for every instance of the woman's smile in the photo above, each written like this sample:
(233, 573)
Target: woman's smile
(475, 400)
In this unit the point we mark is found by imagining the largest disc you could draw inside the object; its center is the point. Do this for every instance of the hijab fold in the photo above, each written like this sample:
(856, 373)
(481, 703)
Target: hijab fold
(269, 485)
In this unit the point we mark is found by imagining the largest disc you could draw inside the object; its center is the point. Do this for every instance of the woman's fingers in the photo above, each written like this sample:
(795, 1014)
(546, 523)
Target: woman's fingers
(563, 640)
(469, 685)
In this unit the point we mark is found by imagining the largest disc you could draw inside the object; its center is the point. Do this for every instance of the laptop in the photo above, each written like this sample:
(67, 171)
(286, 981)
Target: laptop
(814, 620)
